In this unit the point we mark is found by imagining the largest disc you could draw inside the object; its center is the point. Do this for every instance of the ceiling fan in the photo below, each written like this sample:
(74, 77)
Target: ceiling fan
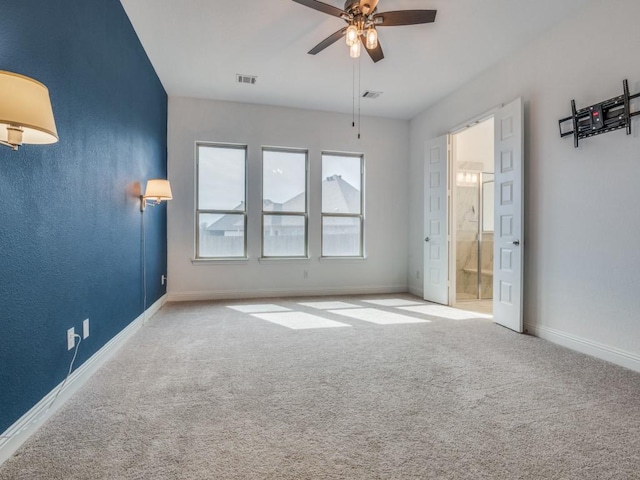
(362, 17)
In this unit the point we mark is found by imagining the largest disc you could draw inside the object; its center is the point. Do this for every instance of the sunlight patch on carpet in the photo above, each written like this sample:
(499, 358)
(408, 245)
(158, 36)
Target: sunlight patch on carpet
(379, 317)
(299, 320)
(328, 305)
(393, 302)
(268, 307)
(445, 312)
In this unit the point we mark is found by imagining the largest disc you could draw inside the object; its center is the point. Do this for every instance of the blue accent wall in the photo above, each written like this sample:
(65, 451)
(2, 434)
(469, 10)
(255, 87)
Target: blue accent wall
(70, 223)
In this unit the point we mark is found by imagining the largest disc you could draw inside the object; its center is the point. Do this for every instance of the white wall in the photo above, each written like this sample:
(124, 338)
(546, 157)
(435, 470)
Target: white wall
(475, 145)
(385, 144)
(582, 225)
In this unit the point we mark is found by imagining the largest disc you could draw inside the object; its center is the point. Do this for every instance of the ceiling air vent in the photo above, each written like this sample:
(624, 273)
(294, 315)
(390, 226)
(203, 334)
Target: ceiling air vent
(248, 79)
(371, 94)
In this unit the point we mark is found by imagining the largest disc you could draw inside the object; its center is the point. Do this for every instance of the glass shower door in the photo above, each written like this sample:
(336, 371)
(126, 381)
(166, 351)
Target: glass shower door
(474, 236)
(485, 237)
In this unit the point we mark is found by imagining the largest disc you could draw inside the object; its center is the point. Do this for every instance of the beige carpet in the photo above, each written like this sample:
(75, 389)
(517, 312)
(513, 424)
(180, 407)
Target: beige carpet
(208, 392)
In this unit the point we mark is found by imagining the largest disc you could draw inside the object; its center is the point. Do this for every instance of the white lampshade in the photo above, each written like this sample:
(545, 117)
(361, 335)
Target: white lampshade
(354, 50)
(25, 104)
(372, 38)
(351, 36)
(158, 188)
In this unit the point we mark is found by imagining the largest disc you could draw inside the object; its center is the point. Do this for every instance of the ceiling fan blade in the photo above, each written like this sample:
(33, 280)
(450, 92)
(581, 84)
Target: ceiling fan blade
(330, 40)
(404, 17)
(322, 7)
(375, 53)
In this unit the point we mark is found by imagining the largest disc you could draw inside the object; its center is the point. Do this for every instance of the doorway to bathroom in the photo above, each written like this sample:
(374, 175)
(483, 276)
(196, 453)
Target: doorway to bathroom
(441, 213)
(472, 216)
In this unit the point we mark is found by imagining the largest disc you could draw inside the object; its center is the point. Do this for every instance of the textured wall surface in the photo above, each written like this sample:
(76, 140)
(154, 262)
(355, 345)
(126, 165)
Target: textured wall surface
(70, 224)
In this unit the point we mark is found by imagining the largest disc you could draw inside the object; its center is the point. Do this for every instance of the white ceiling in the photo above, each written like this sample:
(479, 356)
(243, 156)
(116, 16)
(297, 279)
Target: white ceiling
(198, 46)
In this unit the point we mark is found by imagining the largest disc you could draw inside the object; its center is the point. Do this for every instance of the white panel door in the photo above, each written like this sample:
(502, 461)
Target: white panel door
(508, 244)
(436, 242)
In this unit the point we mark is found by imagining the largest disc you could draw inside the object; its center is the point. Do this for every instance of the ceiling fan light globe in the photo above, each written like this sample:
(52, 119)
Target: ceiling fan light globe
(372, 38)
(354, 51)
(352, 35)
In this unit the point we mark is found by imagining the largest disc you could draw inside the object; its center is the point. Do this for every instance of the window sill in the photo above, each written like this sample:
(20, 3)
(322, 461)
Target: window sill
(219, 261)
(342, 259)
(284, 259)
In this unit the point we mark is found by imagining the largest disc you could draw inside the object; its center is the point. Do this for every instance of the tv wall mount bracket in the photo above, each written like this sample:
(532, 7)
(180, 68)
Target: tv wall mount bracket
(603, 117)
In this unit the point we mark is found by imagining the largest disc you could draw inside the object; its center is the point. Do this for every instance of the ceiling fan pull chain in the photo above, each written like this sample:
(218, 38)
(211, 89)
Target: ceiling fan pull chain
(353, 94)
(359, 95)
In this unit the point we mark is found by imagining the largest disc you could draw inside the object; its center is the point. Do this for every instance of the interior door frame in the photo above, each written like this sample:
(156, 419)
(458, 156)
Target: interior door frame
(451, 219)
(453, 245)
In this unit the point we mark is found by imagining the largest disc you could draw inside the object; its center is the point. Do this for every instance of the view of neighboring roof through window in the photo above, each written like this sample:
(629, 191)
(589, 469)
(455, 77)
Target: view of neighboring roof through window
(221, 201)
(342, 213)
(284, 203)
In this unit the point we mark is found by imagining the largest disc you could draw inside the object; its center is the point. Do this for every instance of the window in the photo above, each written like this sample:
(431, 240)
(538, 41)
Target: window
(342, 205)
(284, 203)
(221, 205)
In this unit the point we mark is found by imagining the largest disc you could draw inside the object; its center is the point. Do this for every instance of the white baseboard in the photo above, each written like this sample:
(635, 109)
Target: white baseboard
(282, 292)
(604, 352)
(417, 291)
(25, 426)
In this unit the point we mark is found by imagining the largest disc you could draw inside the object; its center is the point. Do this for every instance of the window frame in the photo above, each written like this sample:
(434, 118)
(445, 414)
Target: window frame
(304, 215)
(199, 211)
(360, 216)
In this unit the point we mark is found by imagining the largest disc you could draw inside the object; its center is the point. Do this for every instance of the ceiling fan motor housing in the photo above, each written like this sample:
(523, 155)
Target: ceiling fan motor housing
(357, 7)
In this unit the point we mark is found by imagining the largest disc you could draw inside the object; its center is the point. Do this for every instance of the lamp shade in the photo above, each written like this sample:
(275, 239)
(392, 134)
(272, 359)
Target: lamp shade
(351, 35)
(372, 38)
(25, 103)
(354, 50)
(158, 188)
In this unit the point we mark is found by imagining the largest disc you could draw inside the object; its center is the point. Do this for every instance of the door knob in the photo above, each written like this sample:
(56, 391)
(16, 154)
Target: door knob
(427, 239)
(516, 242)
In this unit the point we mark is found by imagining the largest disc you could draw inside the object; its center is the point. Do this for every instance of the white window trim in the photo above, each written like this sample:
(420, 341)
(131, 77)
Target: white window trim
(276, 258)
(208, 260)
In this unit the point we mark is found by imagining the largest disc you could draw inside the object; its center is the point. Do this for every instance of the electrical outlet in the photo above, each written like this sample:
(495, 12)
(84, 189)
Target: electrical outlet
(85, 328)
(71, 338)
(163, 279)
(305, 274)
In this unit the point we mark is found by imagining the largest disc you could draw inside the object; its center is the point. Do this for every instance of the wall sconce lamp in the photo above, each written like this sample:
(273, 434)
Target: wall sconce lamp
(157, 190)
(26, 116)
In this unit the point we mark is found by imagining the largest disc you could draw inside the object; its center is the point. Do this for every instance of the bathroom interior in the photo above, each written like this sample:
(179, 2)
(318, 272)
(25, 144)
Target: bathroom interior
(473, 198)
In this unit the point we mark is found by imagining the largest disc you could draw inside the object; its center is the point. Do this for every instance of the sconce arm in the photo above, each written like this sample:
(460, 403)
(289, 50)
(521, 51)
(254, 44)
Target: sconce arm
(145, 201)
(10, 145)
